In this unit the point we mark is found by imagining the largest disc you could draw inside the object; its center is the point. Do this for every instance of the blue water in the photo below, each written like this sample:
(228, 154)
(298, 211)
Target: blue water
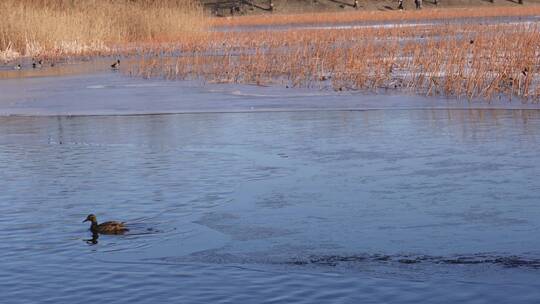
(393, 206)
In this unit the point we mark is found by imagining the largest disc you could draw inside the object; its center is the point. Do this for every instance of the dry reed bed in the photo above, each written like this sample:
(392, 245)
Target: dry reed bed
(59, 28)
(459, 60)
(378, 16)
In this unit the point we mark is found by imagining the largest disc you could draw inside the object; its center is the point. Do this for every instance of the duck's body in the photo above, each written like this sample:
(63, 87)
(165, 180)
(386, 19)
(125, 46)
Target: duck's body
(116, 65)
(111, 227)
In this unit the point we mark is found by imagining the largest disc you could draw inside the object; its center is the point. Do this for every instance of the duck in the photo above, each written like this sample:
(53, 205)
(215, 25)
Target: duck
(111, 227)
(17, 67)
(37, 64)
(116, 65)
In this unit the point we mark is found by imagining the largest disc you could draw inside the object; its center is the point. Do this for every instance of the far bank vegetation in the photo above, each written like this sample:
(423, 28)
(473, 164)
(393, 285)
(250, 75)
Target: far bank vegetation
(67, 27)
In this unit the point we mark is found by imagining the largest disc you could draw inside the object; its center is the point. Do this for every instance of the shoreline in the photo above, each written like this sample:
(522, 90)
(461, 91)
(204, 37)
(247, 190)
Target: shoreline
(282, 7)
(494, 57)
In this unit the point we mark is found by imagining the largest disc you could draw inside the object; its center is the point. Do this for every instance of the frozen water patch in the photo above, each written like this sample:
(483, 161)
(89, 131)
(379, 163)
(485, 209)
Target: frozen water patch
(115, 94)
(522, 20)
(277, 94)
(403, 25)
(355, 27)
(98, 86)
(146, 85)
(128, 85)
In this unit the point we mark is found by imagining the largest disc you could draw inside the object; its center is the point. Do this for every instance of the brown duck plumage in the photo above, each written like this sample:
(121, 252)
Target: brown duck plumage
(107, 227)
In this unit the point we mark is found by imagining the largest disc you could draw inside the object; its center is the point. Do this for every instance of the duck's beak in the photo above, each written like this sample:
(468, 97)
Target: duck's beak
(86, 220)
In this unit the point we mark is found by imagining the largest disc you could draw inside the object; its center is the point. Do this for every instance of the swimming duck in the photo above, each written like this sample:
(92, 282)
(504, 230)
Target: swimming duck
(17, 67)
(37, 64)
(116, 65)
(107, 227)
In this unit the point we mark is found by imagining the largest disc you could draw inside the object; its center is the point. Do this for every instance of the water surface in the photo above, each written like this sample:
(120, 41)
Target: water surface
(398, 206)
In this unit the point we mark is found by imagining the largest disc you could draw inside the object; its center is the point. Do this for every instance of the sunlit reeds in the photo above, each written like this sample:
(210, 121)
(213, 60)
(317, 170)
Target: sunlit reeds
(67, 27)
(460, 60)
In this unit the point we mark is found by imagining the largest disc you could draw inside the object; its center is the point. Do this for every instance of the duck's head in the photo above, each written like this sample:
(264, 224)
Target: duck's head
(90, 218)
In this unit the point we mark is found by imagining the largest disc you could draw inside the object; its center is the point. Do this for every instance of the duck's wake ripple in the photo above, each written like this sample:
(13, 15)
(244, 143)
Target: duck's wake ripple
(488, 259)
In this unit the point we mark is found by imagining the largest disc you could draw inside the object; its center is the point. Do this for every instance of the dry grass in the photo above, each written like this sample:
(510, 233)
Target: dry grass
(460, 60)
(465, 59)
(374, 16)
(67, 27)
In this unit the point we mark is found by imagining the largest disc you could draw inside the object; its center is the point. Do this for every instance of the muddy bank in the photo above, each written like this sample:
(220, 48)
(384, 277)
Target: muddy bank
(310, 6)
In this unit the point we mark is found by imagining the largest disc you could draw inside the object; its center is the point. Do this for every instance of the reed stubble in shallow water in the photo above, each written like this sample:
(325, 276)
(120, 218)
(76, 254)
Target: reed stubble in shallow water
(463, 60)
(81, 27)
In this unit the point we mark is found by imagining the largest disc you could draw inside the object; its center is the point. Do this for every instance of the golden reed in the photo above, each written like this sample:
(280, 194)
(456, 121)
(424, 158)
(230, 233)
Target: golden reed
(451, 59)
(91, 27)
